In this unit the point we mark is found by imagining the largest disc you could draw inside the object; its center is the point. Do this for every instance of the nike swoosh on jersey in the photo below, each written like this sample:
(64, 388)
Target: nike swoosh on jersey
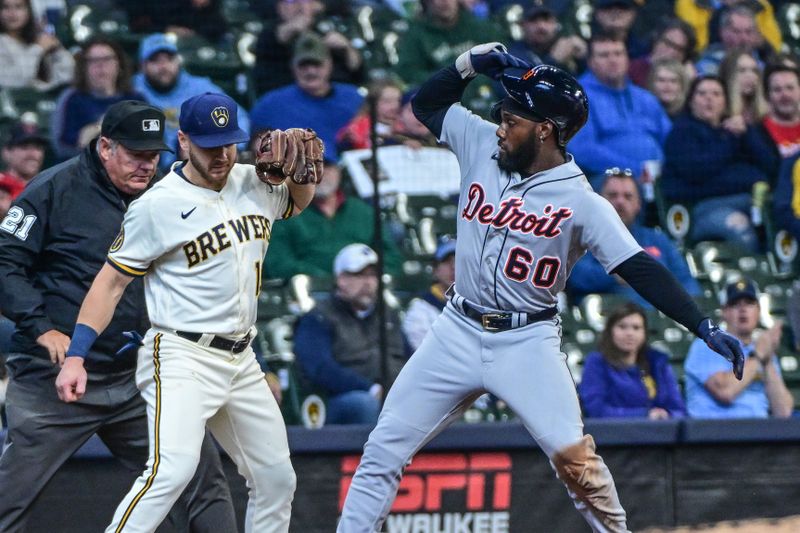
(186, 215)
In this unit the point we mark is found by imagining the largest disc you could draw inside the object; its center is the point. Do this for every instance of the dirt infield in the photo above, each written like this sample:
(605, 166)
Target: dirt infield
(767, 525)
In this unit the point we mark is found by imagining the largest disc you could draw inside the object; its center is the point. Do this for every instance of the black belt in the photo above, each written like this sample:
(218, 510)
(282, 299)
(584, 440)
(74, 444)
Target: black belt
(502, 321)
(220, 343)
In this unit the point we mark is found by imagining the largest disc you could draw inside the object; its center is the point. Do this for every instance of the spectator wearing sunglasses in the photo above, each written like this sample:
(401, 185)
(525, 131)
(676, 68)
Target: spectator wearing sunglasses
(675, 41)
(588, 276)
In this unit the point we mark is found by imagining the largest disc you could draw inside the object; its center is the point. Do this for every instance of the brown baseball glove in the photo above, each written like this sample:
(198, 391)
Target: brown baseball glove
(295, 153)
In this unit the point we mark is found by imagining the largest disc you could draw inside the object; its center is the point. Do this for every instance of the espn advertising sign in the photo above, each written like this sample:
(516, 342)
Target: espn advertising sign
(447, 493)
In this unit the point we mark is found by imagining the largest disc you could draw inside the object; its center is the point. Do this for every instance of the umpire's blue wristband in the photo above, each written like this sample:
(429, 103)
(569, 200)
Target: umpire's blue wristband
(82, 339)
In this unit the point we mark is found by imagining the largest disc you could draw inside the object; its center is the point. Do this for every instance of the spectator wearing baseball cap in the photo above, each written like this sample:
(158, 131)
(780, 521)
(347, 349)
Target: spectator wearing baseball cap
(616, 18)
(542, 41)
(288, 21)
(313, 101)
(166, 84)
(426, 307)
(337, 345)
(23, 155)
(711, 389)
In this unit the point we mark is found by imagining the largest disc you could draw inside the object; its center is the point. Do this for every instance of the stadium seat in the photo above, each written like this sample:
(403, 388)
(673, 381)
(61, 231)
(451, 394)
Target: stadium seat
(596, 307)
(375, 32)
(575, 357)
(86, 22)
(272, 302)
(721, 261)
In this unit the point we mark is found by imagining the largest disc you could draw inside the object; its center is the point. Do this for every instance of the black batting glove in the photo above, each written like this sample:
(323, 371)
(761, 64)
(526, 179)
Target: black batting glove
(489, 59)
(724, 344)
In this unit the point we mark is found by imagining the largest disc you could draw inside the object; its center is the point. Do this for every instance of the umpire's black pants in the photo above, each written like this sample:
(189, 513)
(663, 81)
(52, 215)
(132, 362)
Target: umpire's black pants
(43, 432)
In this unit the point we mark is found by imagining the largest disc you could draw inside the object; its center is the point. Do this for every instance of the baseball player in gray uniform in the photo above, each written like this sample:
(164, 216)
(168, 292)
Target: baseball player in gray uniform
(198, 237)
(526, 215)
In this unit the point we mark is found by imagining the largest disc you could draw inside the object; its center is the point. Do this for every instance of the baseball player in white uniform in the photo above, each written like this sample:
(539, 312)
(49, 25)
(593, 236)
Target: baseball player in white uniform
(526, 215)
(199, 237)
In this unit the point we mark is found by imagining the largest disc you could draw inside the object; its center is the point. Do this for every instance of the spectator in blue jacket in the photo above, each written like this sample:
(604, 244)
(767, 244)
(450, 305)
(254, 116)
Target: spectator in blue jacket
(786, 199)
(627, 125)
(715, 168)
(588, 276)
(313, 101)
(336, 343)
(165, 84)
(626, 377)
(102, 78)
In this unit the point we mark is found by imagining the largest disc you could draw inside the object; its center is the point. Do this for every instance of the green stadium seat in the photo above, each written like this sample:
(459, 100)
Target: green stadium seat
(575, 356)
(596, 307)
(272, 302)
(237, 13)
(376, 32)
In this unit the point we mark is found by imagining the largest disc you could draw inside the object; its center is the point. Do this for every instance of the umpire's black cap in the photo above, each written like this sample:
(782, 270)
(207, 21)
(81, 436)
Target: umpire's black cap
(135, 125)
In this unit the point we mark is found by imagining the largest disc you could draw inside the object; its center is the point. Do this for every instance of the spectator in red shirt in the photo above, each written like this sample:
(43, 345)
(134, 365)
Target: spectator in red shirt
(23, 156)
(782, 122)
(7, 188)
(356, 134)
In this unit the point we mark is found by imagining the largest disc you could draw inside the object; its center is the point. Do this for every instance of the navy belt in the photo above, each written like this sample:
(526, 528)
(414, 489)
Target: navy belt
(504, 321)
(220, 343)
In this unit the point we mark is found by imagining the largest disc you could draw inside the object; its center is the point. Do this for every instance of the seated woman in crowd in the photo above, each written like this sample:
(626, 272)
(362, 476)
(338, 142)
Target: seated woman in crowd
(743, 79)
(626, 377)
(29, 56)
(102, 78)
(669, 82)
(714, 168)
(356, 134)
(396, 122)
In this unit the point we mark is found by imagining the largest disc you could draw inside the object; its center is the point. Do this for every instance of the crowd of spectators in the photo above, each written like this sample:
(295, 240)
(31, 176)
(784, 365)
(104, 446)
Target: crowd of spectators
(697, 103)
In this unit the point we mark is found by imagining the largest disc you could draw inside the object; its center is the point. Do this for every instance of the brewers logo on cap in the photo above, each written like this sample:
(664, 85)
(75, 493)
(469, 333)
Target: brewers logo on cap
(220, 116)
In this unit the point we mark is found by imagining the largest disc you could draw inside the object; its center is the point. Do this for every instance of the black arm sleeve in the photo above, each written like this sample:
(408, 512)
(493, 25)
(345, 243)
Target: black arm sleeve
(658, 286)
(435, 97)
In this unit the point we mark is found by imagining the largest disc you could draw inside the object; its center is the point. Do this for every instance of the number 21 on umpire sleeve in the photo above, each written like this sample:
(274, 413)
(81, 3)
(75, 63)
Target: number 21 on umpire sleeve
(17, 223)
(520, 262)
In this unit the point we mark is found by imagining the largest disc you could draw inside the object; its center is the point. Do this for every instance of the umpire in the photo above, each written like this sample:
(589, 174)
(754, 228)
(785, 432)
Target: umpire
(53, 241)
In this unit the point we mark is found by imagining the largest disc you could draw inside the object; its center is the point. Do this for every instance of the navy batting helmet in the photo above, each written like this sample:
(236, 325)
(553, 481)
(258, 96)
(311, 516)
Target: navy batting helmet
(544, 93)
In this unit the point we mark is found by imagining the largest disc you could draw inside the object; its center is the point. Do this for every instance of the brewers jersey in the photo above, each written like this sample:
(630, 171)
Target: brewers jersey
(182, 237)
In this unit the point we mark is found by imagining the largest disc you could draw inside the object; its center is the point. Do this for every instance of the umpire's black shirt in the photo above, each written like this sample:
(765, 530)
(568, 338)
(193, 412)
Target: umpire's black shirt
(53, 242)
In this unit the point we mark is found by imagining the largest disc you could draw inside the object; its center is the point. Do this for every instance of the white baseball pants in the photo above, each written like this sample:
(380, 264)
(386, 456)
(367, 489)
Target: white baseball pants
(186, 387)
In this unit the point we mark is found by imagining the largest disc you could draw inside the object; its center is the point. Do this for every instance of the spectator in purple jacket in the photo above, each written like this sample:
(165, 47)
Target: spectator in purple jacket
(626, 377)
